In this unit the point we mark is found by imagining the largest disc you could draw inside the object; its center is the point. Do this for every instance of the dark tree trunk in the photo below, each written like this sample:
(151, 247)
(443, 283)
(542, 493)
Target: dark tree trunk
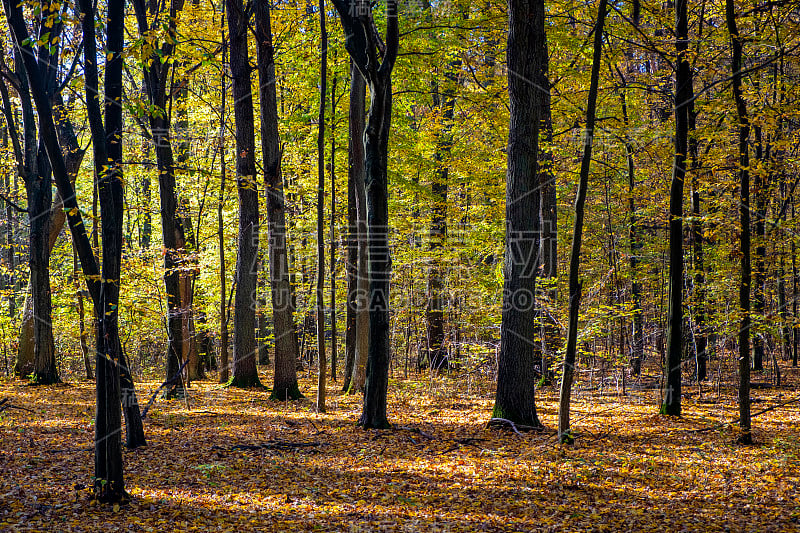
(107, 149)
(334, 334)
(81, 318)
(760, 274)
(40, 197)
(745, 436)
(363, 50)
(286, 350)
(527, 66)
(224, 367)
(245, 370)
(564, 429)
(635, 246)
(551, 338)
(376, 157)
(61, 175)
(351, 268)
(671, 399)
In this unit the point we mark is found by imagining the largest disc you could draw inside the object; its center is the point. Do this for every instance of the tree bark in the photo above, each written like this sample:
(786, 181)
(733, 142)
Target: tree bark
(107, 149)
(356, 171)
(745, 436)
(155, 81)
(245, 370)
(526, 58)
(284, 385)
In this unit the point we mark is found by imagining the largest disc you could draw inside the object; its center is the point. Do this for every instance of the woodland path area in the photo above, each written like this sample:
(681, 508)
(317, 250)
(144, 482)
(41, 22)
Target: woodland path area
(233, 460)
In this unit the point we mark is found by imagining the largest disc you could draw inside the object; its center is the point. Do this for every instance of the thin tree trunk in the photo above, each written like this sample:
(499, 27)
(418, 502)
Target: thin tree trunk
(224, 367)
(362, 47)
(155, 81)
(444, 102)
(635, 246)
(323, 87)
(351, 270)
(334, 339)
(81, 317)
(564, 429)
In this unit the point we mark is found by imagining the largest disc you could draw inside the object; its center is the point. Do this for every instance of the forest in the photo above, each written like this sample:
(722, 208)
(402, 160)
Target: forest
(409, 265)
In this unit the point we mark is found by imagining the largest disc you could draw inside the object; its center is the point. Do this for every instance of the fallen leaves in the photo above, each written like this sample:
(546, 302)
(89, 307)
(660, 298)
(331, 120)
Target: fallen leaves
(233, 460)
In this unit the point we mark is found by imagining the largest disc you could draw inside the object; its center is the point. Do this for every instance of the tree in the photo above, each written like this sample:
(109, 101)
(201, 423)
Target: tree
(362, 45)
(320, 299)
(36, 356)
(564, 429)
(527, 78)
(156, 73)
(358, 284)
(745, 436)
(671, 404)
(286, 350)
(245, 371)
(109, 485)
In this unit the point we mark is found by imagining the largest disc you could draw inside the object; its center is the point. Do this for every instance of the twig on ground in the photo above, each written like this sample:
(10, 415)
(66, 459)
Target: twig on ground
(5, 403)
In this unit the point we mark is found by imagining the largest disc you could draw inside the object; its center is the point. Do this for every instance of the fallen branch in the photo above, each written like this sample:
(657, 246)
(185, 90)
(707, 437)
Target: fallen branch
(174, 379)
(737, 419)
(271, 445)
(5, 403)
(415, 430)
(517, 428)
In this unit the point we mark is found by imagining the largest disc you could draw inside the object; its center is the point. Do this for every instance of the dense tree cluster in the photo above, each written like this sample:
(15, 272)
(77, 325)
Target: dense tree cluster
(659, 140)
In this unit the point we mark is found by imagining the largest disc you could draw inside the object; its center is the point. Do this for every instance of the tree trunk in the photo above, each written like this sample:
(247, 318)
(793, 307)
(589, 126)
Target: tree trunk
(245, 370)
(39, 200)
(224, 367)
(357, 170)
(745, 436)
(286, 349)
(81, 317)
(107, 149)
(564, 429)
(334, 334)
(444, 103)
(760, 274)
(635, 247)
(527, 67)
(155, 81)
(671, 399)
(358, 28)
(700, 312)
(323, 88)
(351, 268)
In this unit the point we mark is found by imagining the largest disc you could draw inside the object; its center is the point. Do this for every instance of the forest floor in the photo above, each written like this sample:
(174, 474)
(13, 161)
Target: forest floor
(630, 469)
